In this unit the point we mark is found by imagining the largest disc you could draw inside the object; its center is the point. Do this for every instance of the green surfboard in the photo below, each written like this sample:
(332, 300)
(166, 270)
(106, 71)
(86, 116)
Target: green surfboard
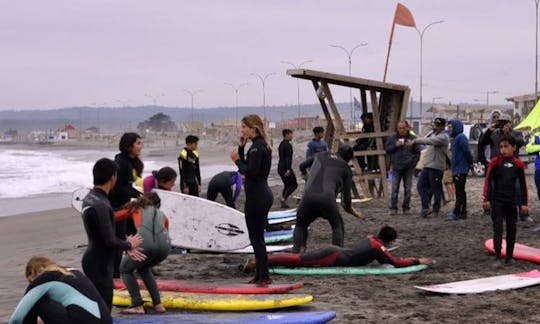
(349, 271)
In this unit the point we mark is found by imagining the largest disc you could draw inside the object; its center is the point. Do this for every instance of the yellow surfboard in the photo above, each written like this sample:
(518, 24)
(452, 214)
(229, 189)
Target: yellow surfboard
(216, 302)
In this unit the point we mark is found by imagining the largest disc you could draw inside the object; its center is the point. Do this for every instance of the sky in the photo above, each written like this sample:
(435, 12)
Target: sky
(57, 54)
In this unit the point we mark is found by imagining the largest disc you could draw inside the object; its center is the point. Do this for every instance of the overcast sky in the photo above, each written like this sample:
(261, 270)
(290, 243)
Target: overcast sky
(115, 52)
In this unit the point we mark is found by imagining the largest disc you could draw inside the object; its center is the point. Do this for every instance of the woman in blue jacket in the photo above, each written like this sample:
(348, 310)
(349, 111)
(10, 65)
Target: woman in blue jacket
(460, 162)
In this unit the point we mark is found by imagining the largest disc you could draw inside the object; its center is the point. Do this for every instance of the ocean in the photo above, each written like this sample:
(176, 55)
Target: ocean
(43, 179)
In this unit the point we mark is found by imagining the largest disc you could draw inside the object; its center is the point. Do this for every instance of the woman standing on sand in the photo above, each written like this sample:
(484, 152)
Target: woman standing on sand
(59, 295)
(256, 167)
(130, 167)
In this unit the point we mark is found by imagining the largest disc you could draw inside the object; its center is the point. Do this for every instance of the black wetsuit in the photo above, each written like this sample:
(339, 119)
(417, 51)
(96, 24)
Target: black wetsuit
(500, 190)
(58, 298)
(97, 261)
(259, 198)
(190, 172)
(329, 175)
(221, 183)
(285, 164)
(121, 194)
(361, 254)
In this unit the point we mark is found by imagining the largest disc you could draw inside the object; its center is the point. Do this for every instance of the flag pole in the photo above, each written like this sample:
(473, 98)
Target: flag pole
(389, 47)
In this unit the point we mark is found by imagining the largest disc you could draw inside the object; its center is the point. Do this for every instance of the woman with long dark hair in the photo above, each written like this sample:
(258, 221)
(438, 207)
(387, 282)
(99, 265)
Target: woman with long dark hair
(256, 167)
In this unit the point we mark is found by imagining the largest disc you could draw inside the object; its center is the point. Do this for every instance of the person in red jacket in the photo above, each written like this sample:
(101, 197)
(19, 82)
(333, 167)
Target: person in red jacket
(364, 252)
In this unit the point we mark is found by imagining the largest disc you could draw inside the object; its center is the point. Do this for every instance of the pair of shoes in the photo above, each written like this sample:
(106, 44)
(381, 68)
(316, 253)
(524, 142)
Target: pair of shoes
(393, 211)
(160, 309)
(509, 261)
(526, 218)
(498, 263)
(425, 213)
(452, 217)
(249, 266)
(135, 310)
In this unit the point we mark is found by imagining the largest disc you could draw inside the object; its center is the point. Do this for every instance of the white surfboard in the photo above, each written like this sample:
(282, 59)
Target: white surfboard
(281, 220)
(476, 286)
(198, 223)
(77, 198)
(338, 200)
(269, 249)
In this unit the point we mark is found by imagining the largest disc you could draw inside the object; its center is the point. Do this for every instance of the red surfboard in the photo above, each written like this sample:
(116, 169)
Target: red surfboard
(216, 288)
(521, 251)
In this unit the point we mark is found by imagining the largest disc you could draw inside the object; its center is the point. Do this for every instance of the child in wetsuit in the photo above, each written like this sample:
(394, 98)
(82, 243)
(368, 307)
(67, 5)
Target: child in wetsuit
(500, 196)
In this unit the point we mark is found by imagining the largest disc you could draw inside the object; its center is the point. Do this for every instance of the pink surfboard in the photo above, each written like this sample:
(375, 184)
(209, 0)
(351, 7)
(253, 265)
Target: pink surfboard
(521, 251)
(216, 288)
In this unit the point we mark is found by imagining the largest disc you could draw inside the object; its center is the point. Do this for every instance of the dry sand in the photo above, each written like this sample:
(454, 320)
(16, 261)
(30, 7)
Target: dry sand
(457, 247)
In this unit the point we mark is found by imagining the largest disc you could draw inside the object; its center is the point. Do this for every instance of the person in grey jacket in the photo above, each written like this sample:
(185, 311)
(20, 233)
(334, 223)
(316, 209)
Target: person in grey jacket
(404, 159)
(430, 180)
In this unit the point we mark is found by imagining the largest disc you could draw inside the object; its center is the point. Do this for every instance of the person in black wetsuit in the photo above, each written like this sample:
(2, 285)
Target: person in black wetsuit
(59, 295)
(130, 167)
(285, 170)
(98, 219)
(188, 165)
(362, 253)
(504, 173)
(222, 184)
(329, 175)
(256, 167)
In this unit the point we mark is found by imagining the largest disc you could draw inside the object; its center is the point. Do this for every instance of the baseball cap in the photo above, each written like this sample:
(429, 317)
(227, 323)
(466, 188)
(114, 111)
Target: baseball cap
(439, 121)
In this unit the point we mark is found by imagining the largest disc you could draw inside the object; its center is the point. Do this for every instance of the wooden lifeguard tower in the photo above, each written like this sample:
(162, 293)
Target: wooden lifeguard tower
(388, 103)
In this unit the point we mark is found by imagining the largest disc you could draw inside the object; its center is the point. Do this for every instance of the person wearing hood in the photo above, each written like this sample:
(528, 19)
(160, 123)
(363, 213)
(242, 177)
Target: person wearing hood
(460, 162)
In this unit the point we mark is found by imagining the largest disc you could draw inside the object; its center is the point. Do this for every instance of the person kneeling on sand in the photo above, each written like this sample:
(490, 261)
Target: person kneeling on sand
(362, 253)
(59, 295)
(152, 225)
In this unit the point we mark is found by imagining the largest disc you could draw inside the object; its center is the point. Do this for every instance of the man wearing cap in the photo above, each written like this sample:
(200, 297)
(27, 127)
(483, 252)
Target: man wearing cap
(430, 180)
(492, 137)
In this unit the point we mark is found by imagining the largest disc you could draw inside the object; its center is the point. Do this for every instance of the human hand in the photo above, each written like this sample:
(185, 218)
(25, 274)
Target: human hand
(135, 240)
(242, 141)
(486, 205)
(525, 210)
(400, 142)
(200, 188)
(288, 173)
(410, 143)
(426, 261)
(185, 190)
(235, 156)
(136, 254)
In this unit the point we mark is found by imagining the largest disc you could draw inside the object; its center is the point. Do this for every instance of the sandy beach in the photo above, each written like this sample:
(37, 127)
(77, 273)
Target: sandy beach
(456, 246)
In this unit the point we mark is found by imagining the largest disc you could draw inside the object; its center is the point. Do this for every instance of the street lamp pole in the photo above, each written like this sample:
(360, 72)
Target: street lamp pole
(236, 89)
(192, 94)
(349, 56)
(487, 96)
(297, 82)
(154, 98)
(263, 81)
(421, 34)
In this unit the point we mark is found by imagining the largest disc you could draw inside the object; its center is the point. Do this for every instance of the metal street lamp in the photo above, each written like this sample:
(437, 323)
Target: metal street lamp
(154, 98)
(349, 55)
(192, 94)
(487, 96)
(297, 82)
(236, 89)
(263, 81)
(421, 34)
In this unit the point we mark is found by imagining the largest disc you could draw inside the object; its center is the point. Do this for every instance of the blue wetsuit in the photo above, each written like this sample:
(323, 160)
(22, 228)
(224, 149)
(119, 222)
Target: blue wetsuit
(59, 298)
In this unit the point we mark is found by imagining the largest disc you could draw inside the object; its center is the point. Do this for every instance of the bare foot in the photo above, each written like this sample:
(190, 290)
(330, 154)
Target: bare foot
(159, 308)
(139, 310)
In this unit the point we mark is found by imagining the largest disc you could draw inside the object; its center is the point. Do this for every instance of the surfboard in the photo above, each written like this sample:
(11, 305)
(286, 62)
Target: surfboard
(282, 214)
(338, 200)
(355, 271)
(216, 302)
(278, 236)
(197, 223)
(269, 249)
(216, 288)
(282, 220)
(77, 197)
(521, 251)
(313, 317)
(476, 286)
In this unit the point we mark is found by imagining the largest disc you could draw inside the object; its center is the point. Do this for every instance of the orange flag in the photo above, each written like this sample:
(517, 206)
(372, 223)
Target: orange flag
(404, 17)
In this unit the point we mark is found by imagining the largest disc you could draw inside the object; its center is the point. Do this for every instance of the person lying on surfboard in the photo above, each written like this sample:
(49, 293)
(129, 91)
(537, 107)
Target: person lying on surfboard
(364, 252)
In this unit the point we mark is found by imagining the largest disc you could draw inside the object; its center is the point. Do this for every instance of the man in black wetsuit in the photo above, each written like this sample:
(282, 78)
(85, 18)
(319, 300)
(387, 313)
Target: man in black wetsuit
(284, 168)
(98, 219)
(362, 253)
(222, 183)
(329, 175)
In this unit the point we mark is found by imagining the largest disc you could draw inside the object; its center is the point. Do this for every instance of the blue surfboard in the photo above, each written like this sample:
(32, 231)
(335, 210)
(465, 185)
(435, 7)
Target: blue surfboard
(314, 317)
(282, 214)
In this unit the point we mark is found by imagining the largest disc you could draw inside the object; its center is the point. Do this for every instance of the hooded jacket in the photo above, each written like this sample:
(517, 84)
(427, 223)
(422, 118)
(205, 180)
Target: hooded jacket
(461, 152)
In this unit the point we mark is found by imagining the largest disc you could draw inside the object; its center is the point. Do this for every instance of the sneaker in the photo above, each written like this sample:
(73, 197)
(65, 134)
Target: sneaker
(425, 213)
(526, 218)
(452, 217)
(393, 211)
